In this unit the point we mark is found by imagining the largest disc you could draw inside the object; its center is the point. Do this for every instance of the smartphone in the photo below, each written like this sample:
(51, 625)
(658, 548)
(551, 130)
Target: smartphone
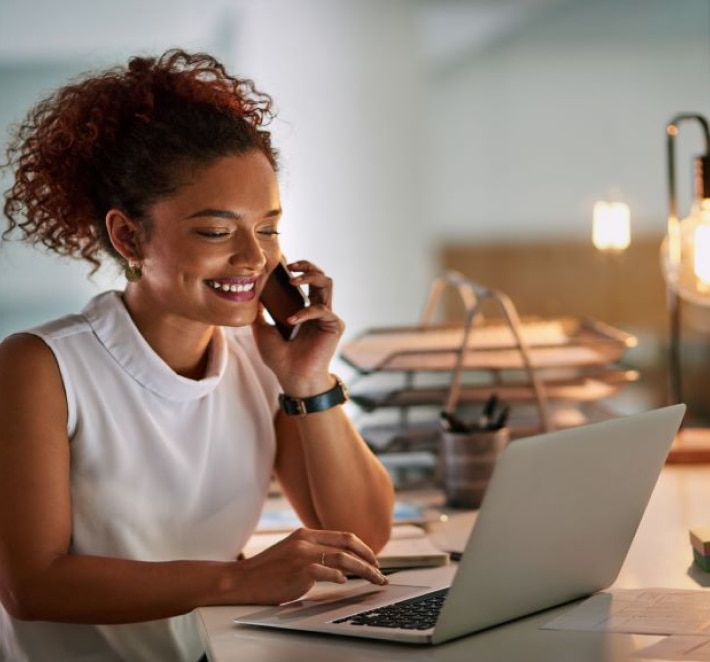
(282, 299)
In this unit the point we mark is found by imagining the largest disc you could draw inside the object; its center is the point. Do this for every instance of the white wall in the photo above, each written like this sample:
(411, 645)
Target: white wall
(527, 134)
(347, 79)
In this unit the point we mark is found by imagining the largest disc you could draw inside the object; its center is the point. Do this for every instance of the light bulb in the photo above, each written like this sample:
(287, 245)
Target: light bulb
(611, 230)
(685, 255)
(701, 261)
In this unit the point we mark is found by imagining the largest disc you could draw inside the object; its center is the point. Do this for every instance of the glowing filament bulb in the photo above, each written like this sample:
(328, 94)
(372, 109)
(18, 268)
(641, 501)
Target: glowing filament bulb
(702, 254)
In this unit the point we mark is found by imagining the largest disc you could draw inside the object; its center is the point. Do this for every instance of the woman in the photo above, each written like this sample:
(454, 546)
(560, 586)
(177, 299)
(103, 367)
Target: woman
(138, 438)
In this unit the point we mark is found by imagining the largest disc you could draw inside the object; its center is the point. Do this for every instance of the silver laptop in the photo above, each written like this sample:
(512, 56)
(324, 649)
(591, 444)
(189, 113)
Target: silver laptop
(556, 523)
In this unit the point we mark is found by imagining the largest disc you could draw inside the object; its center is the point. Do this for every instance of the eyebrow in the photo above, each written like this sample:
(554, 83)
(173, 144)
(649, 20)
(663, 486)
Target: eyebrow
(229, 215)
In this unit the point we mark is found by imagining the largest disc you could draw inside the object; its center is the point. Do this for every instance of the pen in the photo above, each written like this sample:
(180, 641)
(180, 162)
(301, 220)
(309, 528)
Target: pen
(488, 409)
(502, 419)
(453, 423)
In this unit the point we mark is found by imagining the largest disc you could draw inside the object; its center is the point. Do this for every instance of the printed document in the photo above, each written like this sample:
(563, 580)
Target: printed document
(640, 611)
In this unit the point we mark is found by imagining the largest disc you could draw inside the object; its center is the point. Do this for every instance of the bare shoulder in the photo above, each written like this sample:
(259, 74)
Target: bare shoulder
(25, 353)
(29, 377)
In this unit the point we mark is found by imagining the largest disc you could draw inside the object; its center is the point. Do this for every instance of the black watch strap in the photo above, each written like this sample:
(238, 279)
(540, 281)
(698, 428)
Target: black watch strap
(330, 398)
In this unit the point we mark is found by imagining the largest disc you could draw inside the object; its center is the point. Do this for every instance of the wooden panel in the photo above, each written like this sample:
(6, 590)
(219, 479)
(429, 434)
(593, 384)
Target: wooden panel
(570, 278)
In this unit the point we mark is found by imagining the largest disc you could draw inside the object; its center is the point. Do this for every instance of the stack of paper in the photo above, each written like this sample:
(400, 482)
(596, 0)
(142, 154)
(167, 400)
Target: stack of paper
(410, 547)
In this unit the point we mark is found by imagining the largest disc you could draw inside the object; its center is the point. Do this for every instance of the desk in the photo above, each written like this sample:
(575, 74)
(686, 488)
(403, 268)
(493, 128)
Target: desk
(660, 556)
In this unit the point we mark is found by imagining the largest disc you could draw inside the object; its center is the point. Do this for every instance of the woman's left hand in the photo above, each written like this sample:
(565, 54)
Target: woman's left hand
(301, 364)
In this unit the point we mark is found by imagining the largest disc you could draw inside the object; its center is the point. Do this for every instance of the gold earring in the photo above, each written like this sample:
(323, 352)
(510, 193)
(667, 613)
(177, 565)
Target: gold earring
(133, 271)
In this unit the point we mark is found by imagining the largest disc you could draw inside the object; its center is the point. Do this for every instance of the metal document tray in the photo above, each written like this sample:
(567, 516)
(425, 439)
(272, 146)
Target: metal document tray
(584, 387)
(552, 343)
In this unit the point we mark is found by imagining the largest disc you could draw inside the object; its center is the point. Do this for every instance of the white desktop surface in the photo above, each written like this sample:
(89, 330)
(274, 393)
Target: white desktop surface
(660, 556)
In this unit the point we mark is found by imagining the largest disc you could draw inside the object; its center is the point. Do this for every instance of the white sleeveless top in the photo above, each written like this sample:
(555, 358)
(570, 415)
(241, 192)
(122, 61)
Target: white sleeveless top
(162, 468)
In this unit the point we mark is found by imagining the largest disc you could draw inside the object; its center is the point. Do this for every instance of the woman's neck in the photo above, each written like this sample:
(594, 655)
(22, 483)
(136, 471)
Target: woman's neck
(183, 344)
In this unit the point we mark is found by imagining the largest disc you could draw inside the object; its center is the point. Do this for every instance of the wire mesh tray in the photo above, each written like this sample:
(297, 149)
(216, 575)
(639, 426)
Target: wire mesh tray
(581, 388)
(557, 342)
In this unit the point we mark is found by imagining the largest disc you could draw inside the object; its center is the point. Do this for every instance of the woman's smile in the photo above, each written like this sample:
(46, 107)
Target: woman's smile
(234, 289)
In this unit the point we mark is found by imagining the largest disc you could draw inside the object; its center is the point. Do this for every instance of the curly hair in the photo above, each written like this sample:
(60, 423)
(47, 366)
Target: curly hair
(124, 138)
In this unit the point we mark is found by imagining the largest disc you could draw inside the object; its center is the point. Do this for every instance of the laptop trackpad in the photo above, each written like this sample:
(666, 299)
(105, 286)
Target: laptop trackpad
(331, 604)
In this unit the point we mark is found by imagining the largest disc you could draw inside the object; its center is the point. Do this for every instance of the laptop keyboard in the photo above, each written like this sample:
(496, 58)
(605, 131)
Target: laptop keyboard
(419, 613)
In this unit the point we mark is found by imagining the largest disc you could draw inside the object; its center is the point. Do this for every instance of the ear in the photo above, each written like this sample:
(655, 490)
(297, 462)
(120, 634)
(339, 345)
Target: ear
(125, 235)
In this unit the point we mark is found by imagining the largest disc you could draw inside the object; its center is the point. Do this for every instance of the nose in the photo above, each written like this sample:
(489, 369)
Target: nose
(247, 251)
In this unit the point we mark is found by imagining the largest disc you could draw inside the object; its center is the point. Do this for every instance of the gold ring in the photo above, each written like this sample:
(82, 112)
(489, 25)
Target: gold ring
(322, 559)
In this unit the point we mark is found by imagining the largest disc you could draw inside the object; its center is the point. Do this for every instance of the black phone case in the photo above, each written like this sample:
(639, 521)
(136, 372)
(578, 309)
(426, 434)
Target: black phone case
(282, 299)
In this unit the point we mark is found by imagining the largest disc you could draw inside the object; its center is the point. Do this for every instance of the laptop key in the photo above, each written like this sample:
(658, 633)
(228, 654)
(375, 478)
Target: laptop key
(419, 613)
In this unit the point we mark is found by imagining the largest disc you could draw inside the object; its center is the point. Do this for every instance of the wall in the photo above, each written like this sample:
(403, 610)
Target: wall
(527, 134)
(348, 80)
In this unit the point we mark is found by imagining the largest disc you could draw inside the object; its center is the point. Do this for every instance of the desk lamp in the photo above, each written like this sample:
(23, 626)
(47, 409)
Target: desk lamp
(685, 260)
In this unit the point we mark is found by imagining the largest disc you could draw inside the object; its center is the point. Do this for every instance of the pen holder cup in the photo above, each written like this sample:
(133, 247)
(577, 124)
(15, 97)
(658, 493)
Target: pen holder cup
(467, 461)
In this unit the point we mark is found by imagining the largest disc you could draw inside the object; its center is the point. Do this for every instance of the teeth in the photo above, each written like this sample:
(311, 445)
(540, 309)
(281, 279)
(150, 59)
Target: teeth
(230, 287)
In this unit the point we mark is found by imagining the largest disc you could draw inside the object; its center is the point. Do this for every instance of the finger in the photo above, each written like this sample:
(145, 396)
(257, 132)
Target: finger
(348, 564)
(319, 313)
(320, 286)
(313, 279)
(343, 541)
(304, 266)
(335, 554)
(321, 573)
(315, 542)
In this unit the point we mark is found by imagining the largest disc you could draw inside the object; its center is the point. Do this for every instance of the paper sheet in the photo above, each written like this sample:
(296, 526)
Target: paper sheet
(679, 647)
(640, 611)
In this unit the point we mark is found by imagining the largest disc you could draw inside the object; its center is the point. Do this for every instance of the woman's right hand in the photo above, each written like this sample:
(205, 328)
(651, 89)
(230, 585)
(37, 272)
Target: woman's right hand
(291, 567)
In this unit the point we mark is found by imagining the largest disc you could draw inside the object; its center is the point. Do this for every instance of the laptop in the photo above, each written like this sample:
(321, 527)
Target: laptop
(556, 522)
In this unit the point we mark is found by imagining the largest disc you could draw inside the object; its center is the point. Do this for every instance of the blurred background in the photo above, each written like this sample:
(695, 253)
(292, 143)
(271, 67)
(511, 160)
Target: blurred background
(410, 129)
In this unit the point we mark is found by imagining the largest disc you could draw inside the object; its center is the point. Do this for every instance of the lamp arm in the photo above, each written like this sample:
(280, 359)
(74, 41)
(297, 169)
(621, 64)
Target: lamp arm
(671, 133)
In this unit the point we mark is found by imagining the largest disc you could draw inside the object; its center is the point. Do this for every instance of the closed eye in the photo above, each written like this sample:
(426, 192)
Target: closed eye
(269, 232)
(213, 234)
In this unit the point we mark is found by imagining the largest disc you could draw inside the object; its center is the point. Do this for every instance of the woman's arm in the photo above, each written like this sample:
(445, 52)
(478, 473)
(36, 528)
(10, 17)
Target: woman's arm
(327, 471)
(40, 580)
(332, 478)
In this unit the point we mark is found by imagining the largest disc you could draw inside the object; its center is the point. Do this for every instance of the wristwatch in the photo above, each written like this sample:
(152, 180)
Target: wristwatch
(320, 402)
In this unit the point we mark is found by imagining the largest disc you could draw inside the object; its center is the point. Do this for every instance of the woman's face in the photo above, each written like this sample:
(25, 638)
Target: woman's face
(213, 243)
